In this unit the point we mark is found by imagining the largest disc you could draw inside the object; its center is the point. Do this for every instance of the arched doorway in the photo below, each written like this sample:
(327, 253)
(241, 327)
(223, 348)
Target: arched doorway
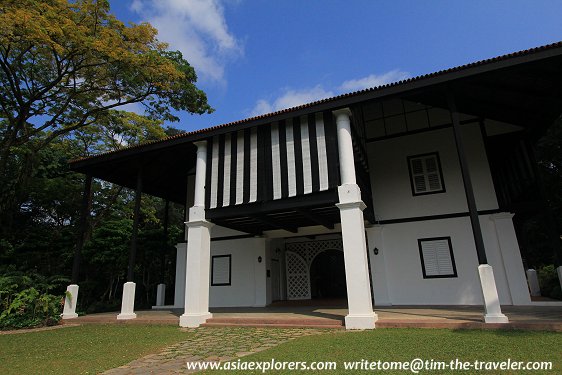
(327, 275)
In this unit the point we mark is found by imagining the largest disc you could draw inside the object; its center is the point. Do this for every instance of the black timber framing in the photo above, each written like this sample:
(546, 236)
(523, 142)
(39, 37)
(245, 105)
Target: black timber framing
(315, 218)
(85, 210)
(135, 231)
(167, 163)
(320, 199)
(467, 182)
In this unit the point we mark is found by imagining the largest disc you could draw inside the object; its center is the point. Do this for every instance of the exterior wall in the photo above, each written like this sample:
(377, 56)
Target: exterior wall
(248, 287)
(399, 260)
(248, 276)
(397, 270)
(390, 179)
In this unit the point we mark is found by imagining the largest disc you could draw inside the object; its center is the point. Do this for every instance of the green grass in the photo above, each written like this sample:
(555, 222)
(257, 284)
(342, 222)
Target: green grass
(427, 344)
(86, 349)
(91, 349)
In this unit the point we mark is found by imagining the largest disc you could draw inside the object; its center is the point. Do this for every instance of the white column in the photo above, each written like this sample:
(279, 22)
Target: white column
(128, 302)
(198, 251)
(361, 314)
(179, 290)
(378, 265)
(511, 257)
(70, 300)
(160, 294)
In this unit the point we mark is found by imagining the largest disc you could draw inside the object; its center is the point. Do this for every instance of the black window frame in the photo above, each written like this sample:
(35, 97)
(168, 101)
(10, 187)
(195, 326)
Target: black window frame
(442, 180)
(229, 256)
(452, 255)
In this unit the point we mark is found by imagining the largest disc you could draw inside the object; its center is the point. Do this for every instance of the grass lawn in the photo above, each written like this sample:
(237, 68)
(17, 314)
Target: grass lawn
(426, 344)
(91, 349)
(86, 349)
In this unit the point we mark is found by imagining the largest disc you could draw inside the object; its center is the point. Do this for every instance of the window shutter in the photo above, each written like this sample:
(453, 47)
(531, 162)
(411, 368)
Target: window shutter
(425, 173)
(437, 257)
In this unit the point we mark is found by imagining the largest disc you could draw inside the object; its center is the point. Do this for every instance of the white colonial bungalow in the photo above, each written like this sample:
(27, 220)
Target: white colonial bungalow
(402, 194)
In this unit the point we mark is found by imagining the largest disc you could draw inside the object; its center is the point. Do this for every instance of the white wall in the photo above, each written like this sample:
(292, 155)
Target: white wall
(248, 277)
(399, 261)
(390, 179)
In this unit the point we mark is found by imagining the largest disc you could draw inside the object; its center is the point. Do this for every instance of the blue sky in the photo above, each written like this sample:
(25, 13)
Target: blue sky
(257, 56)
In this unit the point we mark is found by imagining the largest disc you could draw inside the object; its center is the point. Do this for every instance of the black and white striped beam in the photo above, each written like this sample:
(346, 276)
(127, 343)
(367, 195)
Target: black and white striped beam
(280, 160)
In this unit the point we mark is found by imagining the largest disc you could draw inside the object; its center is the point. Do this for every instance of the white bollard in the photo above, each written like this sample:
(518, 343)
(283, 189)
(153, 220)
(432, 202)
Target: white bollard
(533, 281)
(160, 294)
(70, 301)
(492, 306)
(128, 301)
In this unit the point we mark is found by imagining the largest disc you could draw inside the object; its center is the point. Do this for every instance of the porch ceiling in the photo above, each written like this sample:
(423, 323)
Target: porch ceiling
(523, 88)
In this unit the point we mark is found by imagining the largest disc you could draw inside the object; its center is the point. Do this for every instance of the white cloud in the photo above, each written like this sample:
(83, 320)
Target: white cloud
(292, 97)
(197, 28)
(374, 80)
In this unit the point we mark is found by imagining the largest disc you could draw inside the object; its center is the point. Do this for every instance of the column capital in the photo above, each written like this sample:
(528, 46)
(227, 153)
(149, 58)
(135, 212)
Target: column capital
(201, 143)
(342, 111)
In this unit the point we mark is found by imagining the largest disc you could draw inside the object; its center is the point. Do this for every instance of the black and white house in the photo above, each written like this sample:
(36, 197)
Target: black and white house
(402, 194)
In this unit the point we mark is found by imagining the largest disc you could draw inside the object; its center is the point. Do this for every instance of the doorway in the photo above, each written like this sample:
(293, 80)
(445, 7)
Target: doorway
(327, 275)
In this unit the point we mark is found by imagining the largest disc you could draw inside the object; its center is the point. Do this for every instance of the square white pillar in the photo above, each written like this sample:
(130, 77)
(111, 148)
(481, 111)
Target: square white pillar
(179, 290)
(160, 294)
(198, 263)
(533, 280)
(70, 300)
(511, 258)
(361, 314)
(128, 302)
(493, 313)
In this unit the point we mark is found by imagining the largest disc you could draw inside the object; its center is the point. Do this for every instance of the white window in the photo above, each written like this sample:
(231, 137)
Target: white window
(220, 270)
(437, 257)
(426, 176)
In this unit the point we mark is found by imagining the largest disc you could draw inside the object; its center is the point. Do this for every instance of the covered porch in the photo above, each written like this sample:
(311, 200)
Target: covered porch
(283, 315)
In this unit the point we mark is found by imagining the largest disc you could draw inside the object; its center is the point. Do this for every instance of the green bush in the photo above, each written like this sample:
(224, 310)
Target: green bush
(26, 301)
(549, 282)
(29, 308)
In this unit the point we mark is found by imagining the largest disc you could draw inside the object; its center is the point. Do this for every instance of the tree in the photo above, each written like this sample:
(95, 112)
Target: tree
(64, 65)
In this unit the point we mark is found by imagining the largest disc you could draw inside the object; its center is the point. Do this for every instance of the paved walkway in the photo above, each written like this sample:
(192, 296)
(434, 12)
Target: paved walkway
(211, 344)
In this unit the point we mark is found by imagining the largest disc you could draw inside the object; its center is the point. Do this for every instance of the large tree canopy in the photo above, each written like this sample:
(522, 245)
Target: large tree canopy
(64, 65)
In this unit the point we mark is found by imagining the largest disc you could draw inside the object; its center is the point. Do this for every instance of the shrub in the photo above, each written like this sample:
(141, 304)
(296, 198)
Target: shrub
(29, 308)
(549, 282)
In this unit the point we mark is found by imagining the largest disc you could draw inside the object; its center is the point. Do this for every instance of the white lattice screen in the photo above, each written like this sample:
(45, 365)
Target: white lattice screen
(299, 257)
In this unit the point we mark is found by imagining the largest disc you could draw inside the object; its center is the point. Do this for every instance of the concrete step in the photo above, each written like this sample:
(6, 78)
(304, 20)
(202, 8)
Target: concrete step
(274, 322)
(277, 325)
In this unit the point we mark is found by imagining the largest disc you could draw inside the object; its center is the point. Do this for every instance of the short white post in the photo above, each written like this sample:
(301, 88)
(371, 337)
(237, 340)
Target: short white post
(361, 314)
(160, 294)
(70, 300)
(533, 281)
(128, 302)
(559, 271)
(493, 312)
(198, 260)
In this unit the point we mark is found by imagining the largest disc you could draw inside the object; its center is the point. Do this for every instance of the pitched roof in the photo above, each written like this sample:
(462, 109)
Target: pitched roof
(349, 98)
